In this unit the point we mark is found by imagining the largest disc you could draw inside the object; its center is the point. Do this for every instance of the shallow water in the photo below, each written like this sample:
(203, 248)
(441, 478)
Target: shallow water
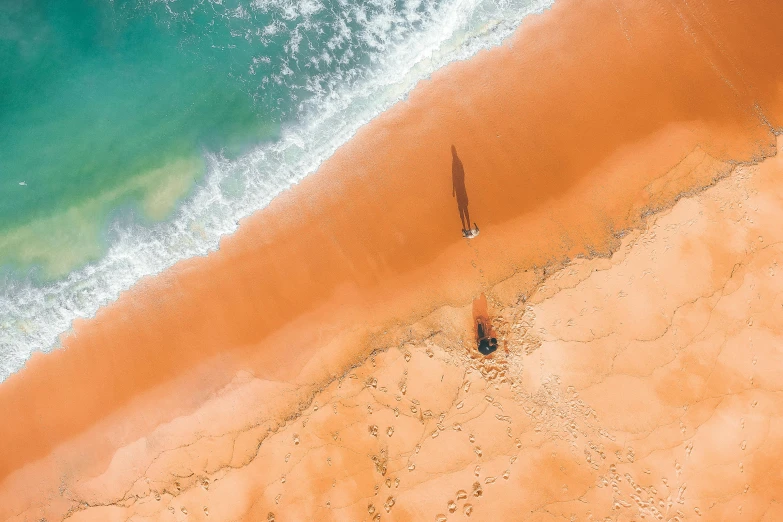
(108, 105)
(143, 131)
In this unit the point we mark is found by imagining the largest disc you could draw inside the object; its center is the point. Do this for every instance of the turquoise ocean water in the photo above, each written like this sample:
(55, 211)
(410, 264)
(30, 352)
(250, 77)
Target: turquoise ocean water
(135, 133)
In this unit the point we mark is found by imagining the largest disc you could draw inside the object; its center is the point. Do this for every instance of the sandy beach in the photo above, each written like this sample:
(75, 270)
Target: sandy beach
(622, 164)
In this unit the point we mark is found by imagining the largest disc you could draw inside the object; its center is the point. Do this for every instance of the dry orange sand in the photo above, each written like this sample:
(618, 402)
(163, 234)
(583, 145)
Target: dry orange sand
(587, 119)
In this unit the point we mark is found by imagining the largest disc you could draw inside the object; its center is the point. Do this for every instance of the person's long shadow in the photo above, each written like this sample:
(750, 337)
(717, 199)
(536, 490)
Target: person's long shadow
(458, 189)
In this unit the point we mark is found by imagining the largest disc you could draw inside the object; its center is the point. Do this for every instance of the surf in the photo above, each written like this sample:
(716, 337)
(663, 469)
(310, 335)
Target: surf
(402, 49)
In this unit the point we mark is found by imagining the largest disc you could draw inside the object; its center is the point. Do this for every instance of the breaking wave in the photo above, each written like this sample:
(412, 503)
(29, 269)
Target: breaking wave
(366, 57)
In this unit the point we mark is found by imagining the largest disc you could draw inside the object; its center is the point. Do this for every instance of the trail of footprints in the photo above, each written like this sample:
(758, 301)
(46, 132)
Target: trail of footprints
(557, 413)
(493, 372)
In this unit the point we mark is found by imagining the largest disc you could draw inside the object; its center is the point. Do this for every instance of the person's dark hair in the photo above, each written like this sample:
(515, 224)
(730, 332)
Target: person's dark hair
(486, 347)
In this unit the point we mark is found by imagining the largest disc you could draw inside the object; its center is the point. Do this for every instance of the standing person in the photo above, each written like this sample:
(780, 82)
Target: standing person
(458, 189)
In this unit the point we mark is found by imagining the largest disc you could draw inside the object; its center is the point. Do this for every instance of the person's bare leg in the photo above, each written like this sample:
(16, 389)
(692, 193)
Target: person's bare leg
(467, 218)
(462, 218)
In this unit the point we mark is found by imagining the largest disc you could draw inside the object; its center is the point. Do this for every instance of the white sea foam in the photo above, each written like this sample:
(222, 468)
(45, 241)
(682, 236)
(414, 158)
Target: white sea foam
(32, 317)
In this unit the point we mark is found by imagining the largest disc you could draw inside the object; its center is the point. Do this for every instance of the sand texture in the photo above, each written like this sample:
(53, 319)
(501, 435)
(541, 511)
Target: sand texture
(322, 364)
(646, 384)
